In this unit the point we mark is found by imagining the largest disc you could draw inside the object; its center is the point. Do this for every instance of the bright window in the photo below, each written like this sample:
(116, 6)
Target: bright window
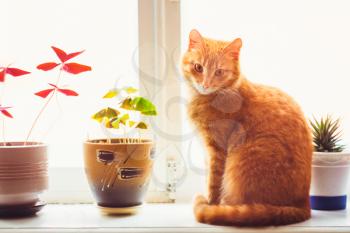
(107, 30)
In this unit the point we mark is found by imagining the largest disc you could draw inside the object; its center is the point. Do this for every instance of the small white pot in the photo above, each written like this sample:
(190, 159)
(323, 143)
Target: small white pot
(330, 180)
(23, 173)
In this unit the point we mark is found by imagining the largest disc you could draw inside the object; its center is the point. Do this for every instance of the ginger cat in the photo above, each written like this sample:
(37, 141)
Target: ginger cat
(259, 143)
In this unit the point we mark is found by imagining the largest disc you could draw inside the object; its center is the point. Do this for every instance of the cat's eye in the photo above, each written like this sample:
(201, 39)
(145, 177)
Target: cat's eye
(198, 68)
(219, 72)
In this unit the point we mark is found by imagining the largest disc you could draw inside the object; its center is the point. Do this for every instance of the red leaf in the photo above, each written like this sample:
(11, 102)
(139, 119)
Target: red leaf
(75, 68)
(44, 93)
(60, 54)
(65, 91)
(16, 72)
(2, 75)
(6, 113)
(47, 66)
(63, 56)
(71, 55)
(68, 92)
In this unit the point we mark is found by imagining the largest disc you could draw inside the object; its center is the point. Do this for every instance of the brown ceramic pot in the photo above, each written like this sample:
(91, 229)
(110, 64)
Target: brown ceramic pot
(23, 173)
(118, 173)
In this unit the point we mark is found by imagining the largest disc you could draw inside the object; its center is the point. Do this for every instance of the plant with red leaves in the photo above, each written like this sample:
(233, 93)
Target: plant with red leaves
(71, 67)
(15, 72)
(45, 93)
(4, 111)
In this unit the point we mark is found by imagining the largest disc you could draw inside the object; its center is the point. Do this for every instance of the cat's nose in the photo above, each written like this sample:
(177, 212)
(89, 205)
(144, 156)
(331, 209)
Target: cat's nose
(205, 84)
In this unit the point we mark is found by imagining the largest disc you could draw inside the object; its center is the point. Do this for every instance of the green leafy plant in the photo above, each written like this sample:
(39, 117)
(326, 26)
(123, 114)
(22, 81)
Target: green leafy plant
(120, 117)
(326, 134)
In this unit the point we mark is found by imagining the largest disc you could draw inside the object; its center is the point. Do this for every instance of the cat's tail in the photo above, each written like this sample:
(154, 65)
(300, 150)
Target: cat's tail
(248, 215)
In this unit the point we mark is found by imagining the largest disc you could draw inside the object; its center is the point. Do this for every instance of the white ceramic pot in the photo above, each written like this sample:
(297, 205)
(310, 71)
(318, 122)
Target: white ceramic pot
(330, 180)
(23, 173)
(18, 199)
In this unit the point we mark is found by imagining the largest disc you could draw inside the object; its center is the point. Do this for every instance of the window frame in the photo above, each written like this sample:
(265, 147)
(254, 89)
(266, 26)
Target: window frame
(158, 25)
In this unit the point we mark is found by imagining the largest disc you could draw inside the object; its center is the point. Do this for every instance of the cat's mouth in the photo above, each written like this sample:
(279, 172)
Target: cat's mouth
(202, 90)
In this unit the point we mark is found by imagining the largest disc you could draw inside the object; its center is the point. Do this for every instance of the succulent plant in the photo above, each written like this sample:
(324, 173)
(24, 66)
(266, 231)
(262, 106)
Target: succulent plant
(326, 134)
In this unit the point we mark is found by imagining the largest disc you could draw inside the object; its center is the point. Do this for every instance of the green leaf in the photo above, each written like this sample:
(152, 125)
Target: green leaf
(144, 106)
(115, 123)
(111, 93)
(130, 90)
(105, 113)
(108, 124)
(111, 112)
(126, 104)
(141, 104)
(124, 118)
(98, 116)
(141, 125)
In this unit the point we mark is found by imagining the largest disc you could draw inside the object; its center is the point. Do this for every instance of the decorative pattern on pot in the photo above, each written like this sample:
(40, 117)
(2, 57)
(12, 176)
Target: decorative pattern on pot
(113, 171)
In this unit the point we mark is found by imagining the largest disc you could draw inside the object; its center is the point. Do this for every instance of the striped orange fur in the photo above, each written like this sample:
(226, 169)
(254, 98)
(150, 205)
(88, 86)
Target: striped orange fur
(258, 140)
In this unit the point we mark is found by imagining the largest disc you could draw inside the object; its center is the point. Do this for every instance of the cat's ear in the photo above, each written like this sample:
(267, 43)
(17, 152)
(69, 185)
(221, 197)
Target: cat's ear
(196, 40)
(232, 50)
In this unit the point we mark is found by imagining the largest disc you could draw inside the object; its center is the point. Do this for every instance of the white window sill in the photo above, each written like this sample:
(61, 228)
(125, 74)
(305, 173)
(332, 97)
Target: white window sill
(153, 218)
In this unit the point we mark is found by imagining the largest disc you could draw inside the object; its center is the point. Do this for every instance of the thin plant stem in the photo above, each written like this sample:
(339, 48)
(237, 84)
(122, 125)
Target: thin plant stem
(139, 131)
(125, 139)
(43, 108)
(3, 132)
(56, 119)
(3, 119)
(109, 140)
(38, 116)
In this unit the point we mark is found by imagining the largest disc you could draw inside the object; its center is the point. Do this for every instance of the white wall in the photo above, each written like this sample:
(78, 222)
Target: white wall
(299, 46)
(106, 29)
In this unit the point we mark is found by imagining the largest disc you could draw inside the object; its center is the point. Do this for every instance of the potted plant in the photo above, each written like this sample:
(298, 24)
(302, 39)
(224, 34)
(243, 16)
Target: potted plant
(23, 163)
(330, 166)
(118, 169)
